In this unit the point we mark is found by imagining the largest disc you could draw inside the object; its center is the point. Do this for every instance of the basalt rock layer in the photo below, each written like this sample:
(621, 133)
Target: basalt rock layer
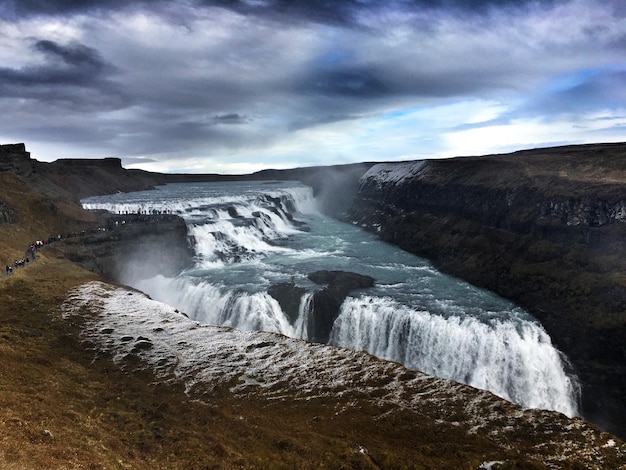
(545, 228)
(334, 288)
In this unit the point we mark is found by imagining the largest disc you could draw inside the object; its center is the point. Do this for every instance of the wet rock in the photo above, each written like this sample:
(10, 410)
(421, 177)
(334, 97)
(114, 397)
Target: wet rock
(327, 301)
(341, 281)
(142, 247)
(288, 296)
(142, 344)
(336, 285)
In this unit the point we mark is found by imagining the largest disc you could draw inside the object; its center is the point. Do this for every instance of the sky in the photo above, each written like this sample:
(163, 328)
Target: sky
(236, 86)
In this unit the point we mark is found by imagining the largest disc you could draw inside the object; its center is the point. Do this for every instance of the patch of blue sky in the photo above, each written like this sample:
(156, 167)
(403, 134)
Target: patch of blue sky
(572, 79)
(579, 77)
(446, 115)
(399, 114)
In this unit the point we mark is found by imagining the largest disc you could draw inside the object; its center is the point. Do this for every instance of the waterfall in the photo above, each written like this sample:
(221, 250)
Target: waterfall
(301, 329)
(516, 361)
(213, 305)
(249, 236)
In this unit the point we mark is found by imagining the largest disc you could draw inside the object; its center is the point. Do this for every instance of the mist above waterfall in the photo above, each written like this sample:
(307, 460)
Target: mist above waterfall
(253, 235)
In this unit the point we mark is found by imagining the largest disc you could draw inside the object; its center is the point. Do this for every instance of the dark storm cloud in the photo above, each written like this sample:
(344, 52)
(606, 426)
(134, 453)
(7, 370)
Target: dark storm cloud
(303, 78)
(322, 11)
(75, 64)
(65, 71)
(20, 8)
(360, 83)
(230, 118)
(345, 12)
(75, 55)
(349, 82)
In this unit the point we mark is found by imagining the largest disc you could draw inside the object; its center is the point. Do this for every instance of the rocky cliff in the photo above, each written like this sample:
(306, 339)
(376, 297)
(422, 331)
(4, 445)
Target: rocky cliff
(92, 177)
(132, 246)
(545, 228)
(15, 159)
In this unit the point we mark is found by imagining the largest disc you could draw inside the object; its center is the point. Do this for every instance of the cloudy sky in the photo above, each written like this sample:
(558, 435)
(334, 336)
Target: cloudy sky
(235, 86)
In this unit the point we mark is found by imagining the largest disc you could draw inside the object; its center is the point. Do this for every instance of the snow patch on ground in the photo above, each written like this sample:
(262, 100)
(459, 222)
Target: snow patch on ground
(139, 332)
(393, 173)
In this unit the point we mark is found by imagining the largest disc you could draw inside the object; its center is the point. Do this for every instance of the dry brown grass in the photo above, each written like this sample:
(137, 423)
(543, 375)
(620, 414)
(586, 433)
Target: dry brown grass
(63, 407)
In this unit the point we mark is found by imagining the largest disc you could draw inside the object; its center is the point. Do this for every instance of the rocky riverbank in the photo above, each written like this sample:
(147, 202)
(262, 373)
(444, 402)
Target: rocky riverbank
(545, 228)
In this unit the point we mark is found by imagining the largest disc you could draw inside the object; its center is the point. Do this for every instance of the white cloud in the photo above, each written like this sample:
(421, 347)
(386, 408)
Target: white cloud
(537, 132)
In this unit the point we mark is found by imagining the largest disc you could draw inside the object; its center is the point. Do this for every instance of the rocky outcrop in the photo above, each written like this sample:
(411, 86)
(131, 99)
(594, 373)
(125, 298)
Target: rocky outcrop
(93, 177)
(132, 247)
(288, 295)
(14, 158)
(545, 228)
(336, 285)
(327, 301)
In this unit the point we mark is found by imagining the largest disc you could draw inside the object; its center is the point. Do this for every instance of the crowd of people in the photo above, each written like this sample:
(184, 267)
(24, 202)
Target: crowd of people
(30, 254)
(18, 263)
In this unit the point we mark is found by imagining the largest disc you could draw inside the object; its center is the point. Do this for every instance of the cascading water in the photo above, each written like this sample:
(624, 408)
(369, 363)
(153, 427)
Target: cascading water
(514, 360)
(249, 236)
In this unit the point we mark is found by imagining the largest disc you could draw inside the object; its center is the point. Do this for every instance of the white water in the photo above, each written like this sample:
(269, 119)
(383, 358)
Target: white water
(515, 360)
(245, 241)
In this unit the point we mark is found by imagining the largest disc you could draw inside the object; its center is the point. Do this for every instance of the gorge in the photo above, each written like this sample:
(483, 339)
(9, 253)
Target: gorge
(543, 227)
(532, 227)
(256, 243)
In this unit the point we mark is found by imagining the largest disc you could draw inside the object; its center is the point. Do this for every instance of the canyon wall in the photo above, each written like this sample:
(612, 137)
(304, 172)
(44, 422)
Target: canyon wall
(132, 246)
(545, 228)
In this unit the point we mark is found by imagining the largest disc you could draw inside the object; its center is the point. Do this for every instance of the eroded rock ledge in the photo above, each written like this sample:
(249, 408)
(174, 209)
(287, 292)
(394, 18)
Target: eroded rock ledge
(335, 287)
(545, 228)
(132, 246)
